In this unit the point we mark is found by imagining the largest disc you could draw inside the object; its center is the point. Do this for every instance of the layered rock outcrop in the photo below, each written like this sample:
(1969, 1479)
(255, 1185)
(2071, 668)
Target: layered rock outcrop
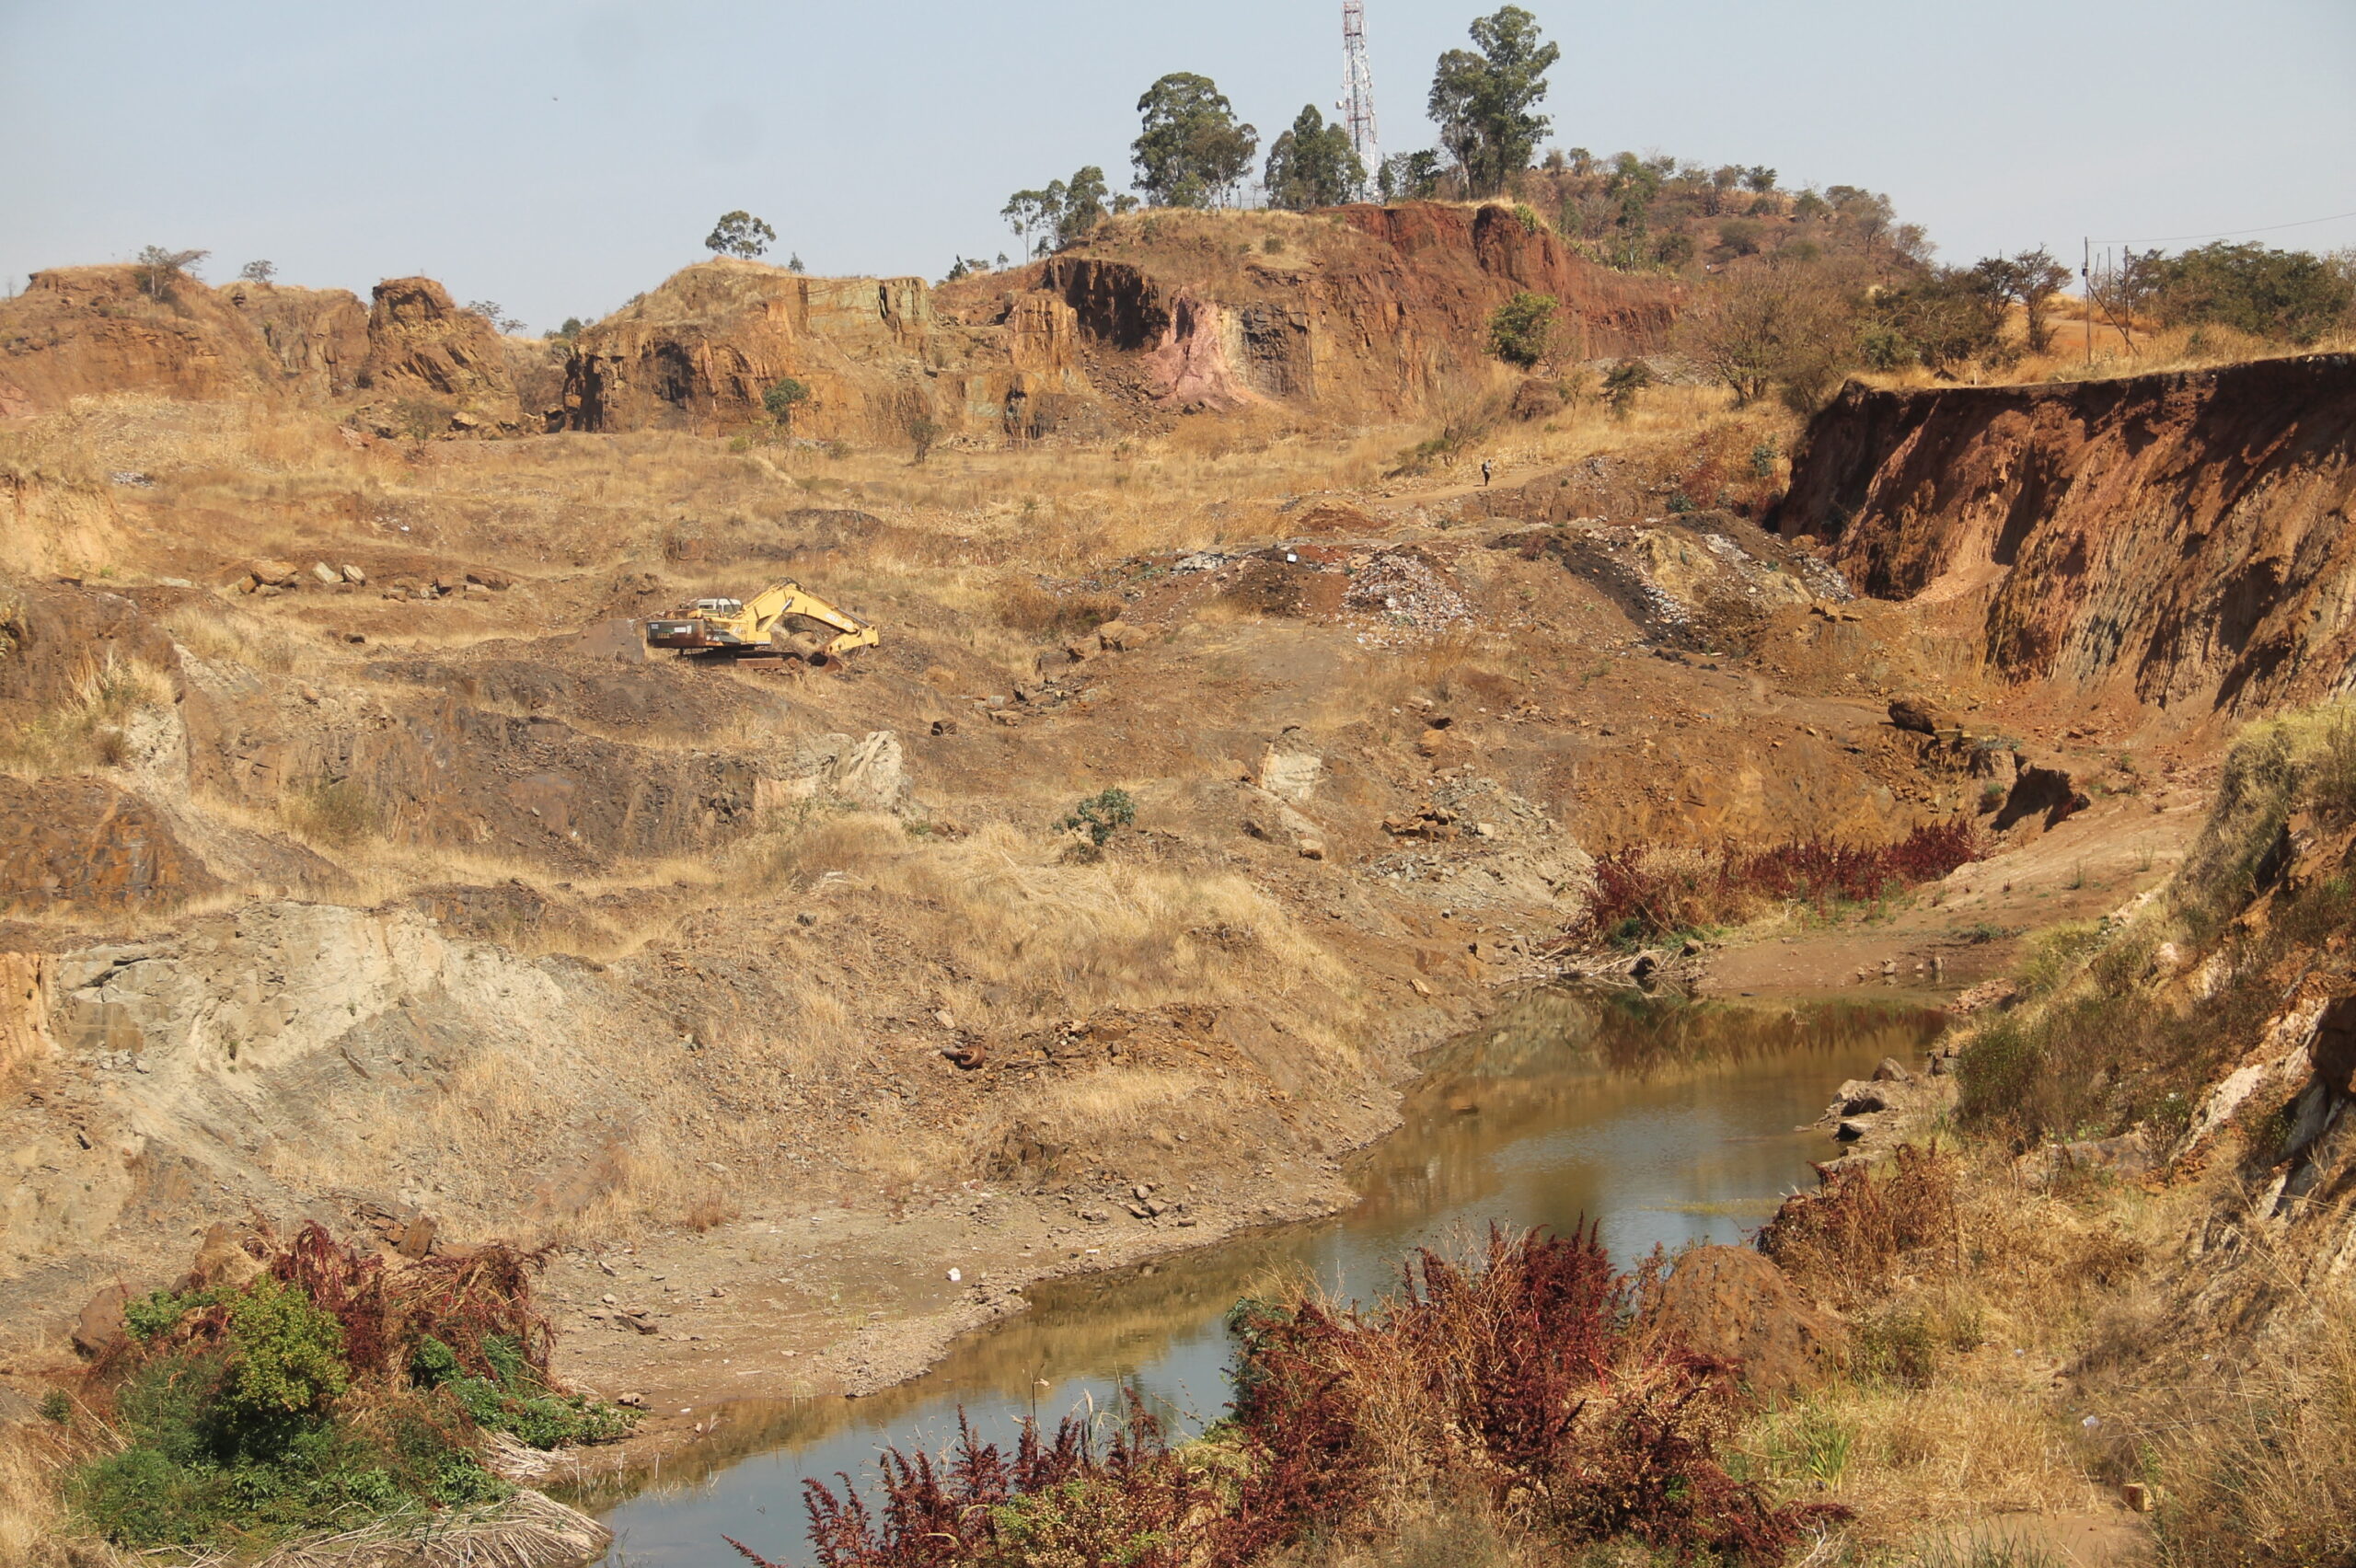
(2179, 540)
(421, 345)
(79, 331)
(703, 350)
(1367, 312)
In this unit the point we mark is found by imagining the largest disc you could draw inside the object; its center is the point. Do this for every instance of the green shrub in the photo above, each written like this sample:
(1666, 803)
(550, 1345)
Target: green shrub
(513, 1401)
(244, 1425)
(1899, 1347)
(1522, 329)
(285, 1355)
(161, 1310)
(1101, 815)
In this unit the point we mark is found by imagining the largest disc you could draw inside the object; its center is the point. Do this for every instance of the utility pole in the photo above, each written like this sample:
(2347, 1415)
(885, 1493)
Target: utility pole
(1357, 92)
(2086, 283)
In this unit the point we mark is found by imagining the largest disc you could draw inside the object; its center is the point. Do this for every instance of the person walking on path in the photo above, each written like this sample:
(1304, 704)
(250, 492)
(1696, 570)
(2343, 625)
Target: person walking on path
(1484, 472)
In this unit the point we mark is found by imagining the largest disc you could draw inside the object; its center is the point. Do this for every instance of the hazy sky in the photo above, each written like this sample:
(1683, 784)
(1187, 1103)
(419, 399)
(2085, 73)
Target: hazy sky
(560, 156)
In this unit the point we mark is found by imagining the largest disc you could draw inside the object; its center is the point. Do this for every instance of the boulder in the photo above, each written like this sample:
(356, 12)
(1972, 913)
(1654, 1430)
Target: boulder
(1892, 1071)
(1292, 767)
(99, 1324)
(325, 575)
(1924, 718)
(2333, 1049)
(2041, 788)
(352, 574)
(219, 1260)
(1535, 399)
(1734, 1303)
(272, 572)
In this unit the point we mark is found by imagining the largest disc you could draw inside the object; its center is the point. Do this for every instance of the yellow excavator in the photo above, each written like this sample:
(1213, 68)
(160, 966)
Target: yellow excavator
(764, 626)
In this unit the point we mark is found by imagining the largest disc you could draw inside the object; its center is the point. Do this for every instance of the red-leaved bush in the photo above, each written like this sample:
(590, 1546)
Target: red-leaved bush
(1641, 892)
(1517, 1378)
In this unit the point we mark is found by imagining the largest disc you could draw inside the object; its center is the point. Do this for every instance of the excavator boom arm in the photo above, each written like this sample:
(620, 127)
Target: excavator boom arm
(773, 603)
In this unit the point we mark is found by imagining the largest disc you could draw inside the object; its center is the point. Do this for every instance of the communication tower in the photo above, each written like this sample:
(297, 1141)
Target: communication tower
(1358, 91)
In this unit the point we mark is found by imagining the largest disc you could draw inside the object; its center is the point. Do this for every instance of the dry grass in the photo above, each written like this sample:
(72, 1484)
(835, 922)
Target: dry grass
(90, 731)
(1966, 1296)
(34, 1459)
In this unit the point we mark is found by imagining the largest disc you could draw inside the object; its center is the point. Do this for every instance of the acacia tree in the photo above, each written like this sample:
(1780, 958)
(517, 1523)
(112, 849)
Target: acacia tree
(739, 234)
(1485, 98)
(258, 271)
(1314, 164)
(1783, 324)
(1192, 150)
(2029, 280)
(158, 268)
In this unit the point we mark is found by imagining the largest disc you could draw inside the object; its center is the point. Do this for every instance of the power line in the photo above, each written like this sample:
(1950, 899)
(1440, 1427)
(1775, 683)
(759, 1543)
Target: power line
(2228, 234)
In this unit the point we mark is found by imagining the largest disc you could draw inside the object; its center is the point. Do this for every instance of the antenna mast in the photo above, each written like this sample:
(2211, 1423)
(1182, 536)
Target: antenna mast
(1358, 91)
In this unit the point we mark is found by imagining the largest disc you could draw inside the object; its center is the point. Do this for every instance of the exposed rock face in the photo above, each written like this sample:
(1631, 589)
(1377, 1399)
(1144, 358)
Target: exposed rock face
(1370, 313)
(85, 843)
(79, 331)
(421, 345)
(710, 343)
(2181, 539)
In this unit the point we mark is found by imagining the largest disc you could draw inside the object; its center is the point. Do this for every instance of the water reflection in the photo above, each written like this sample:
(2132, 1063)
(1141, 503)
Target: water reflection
(1669, 1124)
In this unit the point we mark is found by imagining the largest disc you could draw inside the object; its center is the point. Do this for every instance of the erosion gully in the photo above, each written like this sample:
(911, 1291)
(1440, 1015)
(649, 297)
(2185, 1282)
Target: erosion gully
(1666, 1124)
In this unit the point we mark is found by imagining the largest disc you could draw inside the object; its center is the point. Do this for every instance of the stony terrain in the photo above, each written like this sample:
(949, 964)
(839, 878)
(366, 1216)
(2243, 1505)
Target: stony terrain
(361, 865)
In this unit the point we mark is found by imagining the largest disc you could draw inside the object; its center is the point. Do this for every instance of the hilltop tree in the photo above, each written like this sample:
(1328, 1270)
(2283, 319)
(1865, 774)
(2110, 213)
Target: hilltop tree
(159, 268)
(1945, 316)
(1314, 164)
(1484, 101)
(490, 310)
(258, 272)
(2029, 280)
(1192, 150)
(1086, 204)
(1028, 210)
(2293, 295)
(1409, 176)
(739, 234)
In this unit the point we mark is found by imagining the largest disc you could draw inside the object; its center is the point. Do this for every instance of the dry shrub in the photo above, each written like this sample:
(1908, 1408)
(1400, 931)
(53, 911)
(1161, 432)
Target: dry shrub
(1131, 1503)
(1850, 1238)
(1511, 1386)
(706, 1214)
(1050, 614)
(335, 812)
(1642, 891)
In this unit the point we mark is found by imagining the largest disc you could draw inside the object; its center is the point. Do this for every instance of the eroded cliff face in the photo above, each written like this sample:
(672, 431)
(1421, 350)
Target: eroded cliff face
(421, 345)
(2177, 540)
(79, 331)
(1363, 313)
(704, 348)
